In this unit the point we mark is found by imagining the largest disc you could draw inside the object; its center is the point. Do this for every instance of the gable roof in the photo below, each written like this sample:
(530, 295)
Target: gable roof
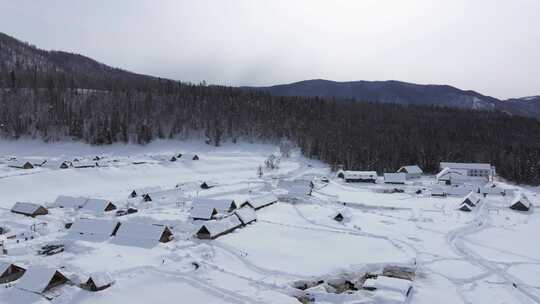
(64, 201)
(139, 234)
(97, 205)
(203, 212)
(466, 166)
(26, 208)
(4, 267)
(521, 198)
(222, 226)
(92, 230)
(413, 169)
(221, 205)
(246, 215)
(297, 187)
(472, 198)
(262, 200)
(36, 279)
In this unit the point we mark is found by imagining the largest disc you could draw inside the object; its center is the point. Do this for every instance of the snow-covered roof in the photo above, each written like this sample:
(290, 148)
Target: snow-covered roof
(262, 200)
(400, 286)
(521, 198)
(139, 234)
(246, 215)
(25, 208)
(36, 279)
(359, 174)
(450, 171)
(472, 198)
(204, 212)
(221, 205)
(395, 177)
(413, 169)
(297, 187)
(466, 166)
(96, 204)
(221, 226)
(65, 201)
(465, 207)
(21, 164)
(91, 230)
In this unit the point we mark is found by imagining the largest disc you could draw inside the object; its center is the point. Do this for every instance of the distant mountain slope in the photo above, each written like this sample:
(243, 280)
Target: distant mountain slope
(23, 58)
(405, 94)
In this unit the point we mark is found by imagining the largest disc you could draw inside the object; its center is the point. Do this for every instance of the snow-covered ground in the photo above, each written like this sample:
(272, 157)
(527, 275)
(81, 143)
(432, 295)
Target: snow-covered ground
(487, 256)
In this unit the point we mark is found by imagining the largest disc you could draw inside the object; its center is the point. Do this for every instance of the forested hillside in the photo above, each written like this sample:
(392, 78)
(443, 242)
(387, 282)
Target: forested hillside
(42, 98)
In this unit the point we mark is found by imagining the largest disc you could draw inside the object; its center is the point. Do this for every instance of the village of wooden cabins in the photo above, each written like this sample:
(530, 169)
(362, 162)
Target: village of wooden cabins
(216, 217)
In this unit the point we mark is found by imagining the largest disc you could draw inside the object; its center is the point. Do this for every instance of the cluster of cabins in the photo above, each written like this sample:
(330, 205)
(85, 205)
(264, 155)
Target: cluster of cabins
(399, 177)
(40, 280)
(96, 161)
(222, 216)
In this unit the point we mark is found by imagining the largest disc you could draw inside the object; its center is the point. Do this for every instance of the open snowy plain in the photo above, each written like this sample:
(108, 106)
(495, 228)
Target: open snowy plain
(294, 252)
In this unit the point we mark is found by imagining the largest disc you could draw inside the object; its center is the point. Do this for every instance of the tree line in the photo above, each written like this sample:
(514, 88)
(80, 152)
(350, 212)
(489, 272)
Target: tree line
(51, 105)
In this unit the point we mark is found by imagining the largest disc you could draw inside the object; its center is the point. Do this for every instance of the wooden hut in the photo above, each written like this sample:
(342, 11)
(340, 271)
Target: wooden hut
(471, 200)
(261, 201)
(40, 279)
(29, 209)
(142, 235)
(214, 229)
(339, 217)
(96, 282)
(411, 171)
(22, 165)
(203, 212)
(10, 272)
(221, 205)
(98, 205)
(520, 203)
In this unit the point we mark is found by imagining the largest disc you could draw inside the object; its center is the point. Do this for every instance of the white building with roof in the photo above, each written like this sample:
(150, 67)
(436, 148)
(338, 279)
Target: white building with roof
(471, 169)
(358, 176)
(412, 171)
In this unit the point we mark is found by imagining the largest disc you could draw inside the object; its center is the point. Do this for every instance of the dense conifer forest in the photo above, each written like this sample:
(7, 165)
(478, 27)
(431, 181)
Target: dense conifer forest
(104, 105)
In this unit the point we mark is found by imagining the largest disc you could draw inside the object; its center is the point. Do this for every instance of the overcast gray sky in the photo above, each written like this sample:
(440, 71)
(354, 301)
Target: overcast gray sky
(491, 46)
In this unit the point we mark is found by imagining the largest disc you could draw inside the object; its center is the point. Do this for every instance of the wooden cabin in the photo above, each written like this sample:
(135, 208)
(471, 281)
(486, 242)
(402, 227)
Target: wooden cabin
(520, 203)
(411, 171)
(261, 201)
(10, 272)
(39, 279)
(29, 209)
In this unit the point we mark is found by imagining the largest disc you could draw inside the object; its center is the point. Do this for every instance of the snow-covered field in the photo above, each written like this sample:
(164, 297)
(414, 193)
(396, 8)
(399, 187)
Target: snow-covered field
(490, 255)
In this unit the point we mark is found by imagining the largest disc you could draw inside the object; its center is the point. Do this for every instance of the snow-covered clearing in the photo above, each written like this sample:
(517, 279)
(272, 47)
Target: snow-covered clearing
(486, 256)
